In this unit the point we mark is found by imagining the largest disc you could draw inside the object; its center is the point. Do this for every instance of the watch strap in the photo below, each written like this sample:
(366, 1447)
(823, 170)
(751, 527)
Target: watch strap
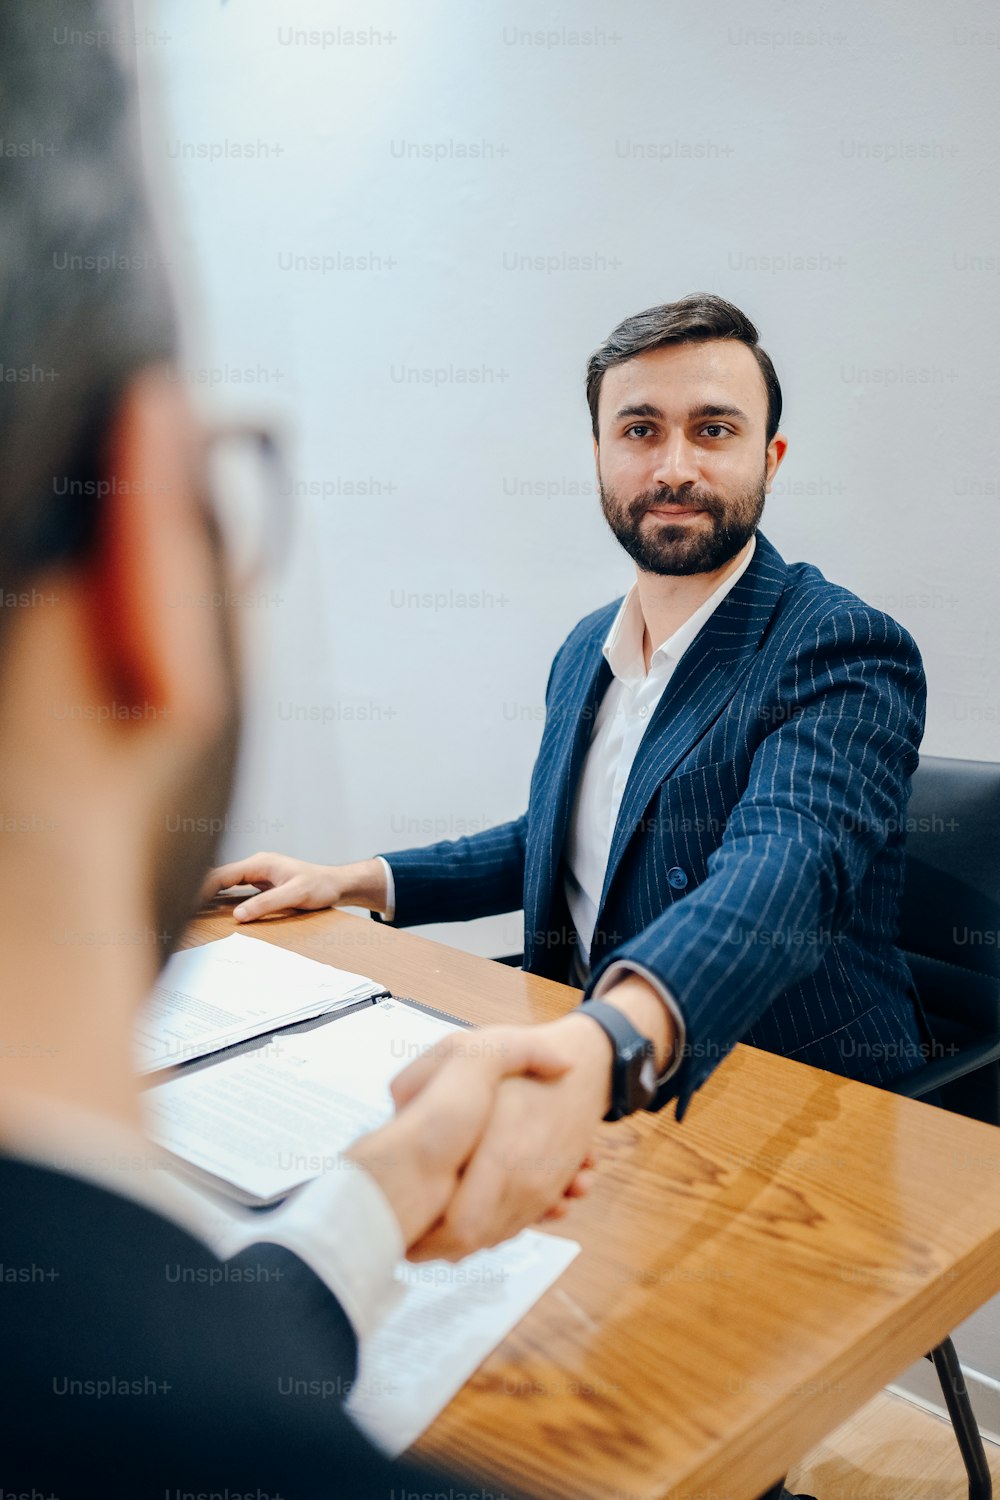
(627, 1043)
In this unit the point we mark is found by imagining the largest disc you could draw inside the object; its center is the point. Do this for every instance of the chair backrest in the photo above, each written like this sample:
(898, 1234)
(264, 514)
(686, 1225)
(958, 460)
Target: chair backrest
(950, 920)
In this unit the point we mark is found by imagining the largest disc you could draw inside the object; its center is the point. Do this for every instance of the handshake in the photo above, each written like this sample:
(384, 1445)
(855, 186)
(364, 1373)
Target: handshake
(494, 1129)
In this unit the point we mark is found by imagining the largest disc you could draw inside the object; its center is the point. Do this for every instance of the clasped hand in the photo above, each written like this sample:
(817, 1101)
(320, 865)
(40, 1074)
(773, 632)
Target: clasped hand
(493, 1131)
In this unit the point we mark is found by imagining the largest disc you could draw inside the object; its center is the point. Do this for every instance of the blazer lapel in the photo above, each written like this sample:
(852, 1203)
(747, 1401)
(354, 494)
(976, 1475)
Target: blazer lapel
(705, 679)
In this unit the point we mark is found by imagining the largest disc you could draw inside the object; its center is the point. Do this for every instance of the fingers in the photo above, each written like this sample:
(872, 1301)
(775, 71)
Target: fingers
(408, 1083)
(440, 1243)
(530, 1050)
(582, 1184)
(283, 897)
(496, 1051)
(469, 1225)
(437, 1244)
(257, 870)
(580, 1187)
(284, 885)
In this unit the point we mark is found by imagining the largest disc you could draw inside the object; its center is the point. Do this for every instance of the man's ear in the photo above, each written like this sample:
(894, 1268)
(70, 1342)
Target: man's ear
(152, 587)
(776, 449)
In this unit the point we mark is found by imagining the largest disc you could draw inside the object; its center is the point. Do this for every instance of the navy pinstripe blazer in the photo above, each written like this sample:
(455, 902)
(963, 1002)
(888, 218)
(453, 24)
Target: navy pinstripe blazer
(756, 865)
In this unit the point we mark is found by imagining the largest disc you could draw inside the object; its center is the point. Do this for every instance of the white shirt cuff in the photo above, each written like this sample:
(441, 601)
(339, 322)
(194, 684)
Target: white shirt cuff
(342, 1226)
(390, 889)
(618, 971)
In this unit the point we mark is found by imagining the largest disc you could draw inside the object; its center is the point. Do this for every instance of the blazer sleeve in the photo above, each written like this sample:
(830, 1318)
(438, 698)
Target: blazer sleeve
(458, 879)
(828, 786)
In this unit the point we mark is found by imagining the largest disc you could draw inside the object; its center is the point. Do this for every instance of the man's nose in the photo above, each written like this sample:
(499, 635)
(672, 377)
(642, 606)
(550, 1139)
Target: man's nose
(676, 462)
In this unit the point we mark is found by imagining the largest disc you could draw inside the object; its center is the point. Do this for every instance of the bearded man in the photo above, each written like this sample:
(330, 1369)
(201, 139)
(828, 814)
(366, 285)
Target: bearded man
(713, 846)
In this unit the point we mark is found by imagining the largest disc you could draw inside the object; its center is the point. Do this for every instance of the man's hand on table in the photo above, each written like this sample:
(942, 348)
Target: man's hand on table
(287, 884)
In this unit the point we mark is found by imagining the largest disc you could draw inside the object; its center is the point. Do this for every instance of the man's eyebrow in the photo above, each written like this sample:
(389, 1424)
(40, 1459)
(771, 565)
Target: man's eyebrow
(643, 410)
(646, 409)
(719, 411)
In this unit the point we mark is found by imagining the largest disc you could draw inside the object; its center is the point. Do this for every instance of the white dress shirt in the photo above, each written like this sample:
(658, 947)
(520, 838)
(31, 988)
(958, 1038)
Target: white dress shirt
(626, 709)
(628, 705)
(340, 1224)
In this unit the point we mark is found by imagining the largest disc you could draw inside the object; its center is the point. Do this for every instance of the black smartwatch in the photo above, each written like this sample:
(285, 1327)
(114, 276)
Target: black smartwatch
(633, 1073)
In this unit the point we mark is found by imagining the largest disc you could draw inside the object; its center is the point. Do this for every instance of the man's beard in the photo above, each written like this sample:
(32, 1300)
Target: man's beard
(182, 859)
(689, 546)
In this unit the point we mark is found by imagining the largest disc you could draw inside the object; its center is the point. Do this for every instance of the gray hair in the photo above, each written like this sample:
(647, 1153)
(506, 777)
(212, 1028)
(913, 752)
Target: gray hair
(84, 299)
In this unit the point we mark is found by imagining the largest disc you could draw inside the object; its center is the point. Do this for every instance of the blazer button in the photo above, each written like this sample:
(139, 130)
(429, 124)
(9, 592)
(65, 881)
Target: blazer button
(677, 878)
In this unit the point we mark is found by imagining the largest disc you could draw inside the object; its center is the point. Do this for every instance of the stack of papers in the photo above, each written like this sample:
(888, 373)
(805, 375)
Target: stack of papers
(225, 992)
(265, 1122)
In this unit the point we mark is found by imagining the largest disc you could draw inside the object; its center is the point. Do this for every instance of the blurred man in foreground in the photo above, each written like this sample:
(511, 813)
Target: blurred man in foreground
(119, 709)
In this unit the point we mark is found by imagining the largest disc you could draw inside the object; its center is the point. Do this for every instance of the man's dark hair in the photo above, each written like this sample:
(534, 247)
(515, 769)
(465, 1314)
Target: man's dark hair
(84, 298)
(692, 320)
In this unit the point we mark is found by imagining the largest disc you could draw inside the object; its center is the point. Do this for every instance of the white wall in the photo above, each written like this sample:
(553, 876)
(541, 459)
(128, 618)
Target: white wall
(860, 271)
(832, 169)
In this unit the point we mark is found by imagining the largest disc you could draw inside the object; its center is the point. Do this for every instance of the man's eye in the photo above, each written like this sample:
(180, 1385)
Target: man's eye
(714, 430)
(640, 429)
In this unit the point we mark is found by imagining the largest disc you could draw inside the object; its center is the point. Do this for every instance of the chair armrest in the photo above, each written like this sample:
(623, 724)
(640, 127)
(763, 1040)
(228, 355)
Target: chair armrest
(934, 1075)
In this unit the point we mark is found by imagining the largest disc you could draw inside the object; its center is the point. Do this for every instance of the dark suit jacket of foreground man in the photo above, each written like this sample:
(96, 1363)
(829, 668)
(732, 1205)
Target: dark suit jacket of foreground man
(757, 861)
(147, 1369)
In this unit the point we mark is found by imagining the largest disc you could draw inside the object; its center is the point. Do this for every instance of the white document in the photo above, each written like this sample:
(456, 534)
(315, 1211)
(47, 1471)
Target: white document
(224, 992)
(268, 1120)
(448, 1320)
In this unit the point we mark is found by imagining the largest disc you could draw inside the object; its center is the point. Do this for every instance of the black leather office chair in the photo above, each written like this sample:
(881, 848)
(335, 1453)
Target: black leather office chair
(950, 933)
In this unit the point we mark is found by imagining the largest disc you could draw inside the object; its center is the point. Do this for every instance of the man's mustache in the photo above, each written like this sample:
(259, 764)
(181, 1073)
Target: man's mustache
(687, 499)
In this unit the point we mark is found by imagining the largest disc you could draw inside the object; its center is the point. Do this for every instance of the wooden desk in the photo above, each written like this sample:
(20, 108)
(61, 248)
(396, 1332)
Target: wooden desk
(748, 1278)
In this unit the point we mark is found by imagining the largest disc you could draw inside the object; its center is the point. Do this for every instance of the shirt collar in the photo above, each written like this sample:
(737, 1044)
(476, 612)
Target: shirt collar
(622, 647)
